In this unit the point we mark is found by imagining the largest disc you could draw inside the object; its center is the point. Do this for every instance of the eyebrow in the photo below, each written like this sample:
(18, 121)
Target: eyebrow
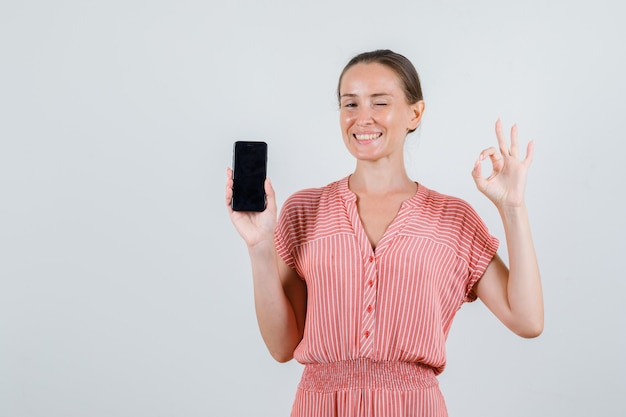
(350, 95)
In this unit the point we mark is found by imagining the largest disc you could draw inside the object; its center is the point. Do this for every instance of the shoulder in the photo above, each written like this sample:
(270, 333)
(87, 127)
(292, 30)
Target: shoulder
(310, 201)
(314, 213)
(445, 205)
(448, 217)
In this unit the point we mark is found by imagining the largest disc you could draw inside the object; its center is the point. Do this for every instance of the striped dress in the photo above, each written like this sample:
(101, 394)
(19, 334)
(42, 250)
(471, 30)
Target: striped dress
(377, 320)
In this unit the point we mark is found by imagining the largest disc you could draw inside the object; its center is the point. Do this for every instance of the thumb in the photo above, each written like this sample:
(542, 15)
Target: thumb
(270, 193)
(477, 174)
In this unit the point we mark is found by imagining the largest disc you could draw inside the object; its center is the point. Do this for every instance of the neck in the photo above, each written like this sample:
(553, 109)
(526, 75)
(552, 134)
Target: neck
(377, 178)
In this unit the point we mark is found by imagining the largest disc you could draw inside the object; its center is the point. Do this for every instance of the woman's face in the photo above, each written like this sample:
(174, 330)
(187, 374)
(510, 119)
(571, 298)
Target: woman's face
(375, 116)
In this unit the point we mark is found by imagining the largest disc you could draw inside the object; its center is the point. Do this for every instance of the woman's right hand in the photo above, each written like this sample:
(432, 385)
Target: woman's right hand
(254, 227)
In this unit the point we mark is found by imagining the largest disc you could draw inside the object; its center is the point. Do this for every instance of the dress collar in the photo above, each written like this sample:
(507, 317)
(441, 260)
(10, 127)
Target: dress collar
(348, 195)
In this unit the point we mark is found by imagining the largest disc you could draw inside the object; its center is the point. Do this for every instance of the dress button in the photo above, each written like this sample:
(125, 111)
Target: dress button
(371, 259)
(370, 282)
(367, 333)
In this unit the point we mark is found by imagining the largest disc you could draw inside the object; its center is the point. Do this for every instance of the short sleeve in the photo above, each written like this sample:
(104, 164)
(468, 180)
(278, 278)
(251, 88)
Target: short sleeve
(481, 248)
(284, 236)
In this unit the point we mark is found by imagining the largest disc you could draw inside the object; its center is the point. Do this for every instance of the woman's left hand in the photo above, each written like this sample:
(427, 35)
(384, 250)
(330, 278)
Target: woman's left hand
(507, 182)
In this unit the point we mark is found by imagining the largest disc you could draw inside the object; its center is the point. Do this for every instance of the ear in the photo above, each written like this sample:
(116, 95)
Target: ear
(417, 110)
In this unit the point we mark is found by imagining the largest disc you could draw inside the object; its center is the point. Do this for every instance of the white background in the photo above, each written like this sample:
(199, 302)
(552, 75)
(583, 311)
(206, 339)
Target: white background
(125, 290)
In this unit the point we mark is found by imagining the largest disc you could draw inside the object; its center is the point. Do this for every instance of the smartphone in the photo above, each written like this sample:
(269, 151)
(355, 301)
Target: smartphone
(249, 172)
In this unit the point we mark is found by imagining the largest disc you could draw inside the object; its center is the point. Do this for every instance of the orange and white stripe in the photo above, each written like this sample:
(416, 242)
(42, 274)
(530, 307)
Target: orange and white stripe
(377, 320)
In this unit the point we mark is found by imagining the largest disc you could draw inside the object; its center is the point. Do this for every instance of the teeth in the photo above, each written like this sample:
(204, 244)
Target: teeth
(370, 136)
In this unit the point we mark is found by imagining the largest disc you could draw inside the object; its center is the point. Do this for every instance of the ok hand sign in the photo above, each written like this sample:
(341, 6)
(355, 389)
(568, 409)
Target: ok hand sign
(506, 185)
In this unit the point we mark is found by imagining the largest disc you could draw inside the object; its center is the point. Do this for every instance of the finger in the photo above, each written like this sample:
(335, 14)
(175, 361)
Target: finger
(477, 174)
(229, 186)
(477, 171)
(229, 177)
(497, 164)
(486, 153)
(502, 144)
(490, 153)
(530, 149)
(269, 190)
(270, 194)
(514, 143)
(228, 197)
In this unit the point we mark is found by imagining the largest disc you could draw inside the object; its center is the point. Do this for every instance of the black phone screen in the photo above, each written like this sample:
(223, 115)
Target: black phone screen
(249, 172)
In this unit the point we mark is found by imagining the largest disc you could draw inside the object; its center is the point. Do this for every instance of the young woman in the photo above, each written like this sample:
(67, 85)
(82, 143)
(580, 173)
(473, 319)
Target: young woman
(360, 280)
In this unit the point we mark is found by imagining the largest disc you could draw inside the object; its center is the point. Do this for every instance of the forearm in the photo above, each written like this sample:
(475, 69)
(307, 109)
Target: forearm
(524, 291)
(275, 314)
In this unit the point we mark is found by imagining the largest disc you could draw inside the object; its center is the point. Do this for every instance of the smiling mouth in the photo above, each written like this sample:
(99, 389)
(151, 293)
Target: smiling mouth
(367, 137)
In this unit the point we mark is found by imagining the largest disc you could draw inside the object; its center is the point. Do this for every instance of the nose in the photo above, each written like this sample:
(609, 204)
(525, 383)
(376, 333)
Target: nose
(364, 116)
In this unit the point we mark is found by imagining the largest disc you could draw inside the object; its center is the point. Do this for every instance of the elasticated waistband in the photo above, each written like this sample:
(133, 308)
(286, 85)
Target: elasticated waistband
(366, 374)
